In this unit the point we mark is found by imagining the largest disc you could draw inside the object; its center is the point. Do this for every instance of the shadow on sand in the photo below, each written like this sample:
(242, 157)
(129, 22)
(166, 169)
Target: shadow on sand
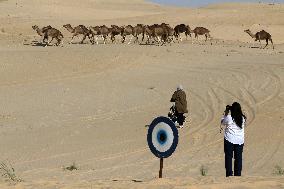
(41, 44)
(36, 44)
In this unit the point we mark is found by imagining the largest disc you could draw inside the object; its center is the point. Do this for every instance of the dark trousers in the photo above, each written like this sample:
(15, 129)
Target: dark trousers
(180, 118)
(230, 150)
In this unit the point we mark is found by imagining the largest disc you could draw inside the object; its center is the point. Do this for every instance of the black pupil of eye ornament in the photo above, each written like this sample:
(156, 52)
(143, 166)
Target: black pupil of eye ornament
(163, 137)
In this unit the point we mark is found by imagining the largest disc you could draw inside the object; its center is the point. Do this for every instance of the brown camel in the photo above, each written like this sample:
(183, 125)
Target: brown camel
(127, 30)
(158, 33)
(54, 34)
(138, 30)
(102, 31)
(114, 31)
(95, 32)
(153, 32)
(182, 28)
(148, 32)
(261, 35)
(201, 31)
(40, 31)
(169, 32)
(81, 29)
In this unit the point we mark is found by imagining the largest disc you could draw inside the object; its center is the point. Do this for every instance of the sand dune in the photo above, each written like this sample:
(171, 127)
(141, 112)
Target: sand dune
(89, 104)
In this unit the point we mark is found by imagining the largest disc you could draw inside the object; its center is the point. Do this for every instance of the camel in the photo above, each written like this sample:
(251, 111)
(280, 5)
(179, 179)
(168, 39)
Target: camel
(137, 30)
(95, 32)
(153, 31)
(40, 31)
(149, 32)
(127, 30)
(100, 30)
(158, 32)
(81, 29)
(54, 34)
(201, 31)
(261, 35)
(182, 28)
(115, 30)
(169, 32)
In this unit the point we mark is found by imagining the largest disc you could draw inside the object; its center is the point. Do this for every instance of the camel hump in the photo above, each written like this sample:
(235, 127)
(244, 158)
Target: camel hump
(83, 27)
(44, 29)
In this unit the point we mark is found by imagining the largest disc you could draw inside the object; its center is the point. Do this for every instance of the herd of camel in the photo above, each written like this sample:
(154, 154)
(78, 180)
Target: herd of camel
(160, 33)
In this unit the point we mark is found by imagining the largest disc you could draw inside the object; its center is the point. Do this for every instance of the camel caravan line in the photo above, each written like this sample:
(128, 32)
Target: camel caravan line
(155, 34)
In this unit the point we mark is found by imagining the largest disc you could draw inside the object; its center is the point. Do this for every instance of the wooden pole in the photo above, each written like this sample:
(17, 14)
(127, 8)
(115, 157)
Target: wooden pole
(161, 168)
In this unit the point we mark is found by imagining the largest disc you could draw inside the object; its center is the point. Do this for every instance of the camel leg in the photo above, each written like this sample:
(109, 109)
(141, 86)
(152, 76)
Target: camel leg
(48, 42)
(210, 38)
(197, 39)
(51, 40)
(148, 39)
(73, 38)
(171, 39)
(136, 39)
(123, 39)
(83, 39)
(180, 37)
(104, 36)
(266, 43)
(159, 39)
(176, 37)
(44, 38)
(97, 40)
(112, 38)
(130, 40)
(58, 41)
(91, 38)
(271, 43)
(61, 42)
(260, 44)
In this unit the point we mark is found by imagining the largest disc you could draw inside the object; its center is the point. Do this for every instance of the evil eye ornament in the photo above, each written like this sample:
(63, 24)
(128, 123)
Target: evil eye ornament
(162, 137)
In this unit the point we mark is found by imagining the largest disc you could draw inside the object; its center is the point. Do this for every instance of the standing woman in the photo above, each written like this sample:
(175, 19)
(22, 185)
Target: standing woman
(233, 138)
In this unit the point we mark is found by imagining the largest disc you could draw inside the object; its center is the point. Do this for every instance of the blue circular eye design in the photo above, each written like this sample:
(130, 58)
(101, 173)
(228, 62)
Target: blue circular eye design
(162, 137)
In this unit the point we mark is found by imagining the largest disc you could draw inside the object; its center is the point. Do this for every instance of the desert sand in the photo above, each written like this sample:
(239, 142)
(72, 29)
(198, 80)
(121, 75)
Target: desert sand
(89, 104)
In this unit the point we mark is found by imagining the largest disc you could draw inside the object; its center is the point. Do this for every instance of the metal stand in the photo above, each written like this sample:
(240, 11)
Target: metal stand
(161, 168)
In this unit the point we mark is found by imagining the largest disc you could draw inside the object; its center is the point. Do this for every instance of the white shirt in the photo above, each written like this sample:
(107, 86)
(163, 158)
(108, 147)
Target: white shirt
(233, 133)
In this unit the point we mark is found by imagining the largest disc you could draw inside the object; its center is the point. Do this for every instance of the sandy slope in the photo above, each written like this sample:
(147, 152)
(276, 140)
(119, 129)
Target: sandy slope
(90, 104)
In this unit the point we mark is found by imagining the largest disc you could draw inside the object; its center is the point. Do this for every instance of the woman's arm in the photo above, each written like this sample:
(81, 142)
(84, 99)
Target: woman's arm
(225, 120)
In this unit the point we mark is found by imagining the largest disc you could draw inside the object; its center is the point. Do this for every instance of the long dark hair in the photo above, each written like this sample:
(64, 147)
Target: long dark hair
(237, 114)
